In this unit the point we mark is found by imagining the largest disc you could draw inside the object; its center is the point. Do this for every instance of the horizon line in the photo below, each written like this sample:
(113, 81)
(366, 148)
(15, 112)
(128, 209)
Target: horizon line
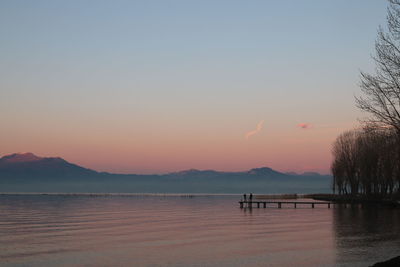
(171, 172)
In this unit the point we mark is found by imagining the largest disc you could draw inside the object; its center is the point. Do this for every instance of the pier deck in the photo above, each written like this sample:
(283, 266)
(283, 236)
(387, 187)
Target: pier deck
(258, 204)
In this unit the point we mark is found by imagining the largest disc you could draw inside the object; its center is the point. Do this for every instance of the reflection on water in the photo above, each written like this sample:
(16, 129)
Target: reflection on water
(366, 235)
(199, 231)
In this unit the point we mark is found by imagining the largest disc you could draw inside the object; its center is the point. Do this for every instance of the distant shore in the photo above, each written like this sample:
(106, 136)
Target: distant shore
(347, 199)
(114, 194)
(344, 199)
(182, 195)
(104, 194)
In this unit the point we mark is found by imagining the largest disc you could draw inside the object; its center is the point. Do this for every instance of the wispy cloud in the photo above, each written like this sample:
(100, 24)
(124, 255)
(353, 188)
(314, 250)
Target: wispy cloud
(304, 125)
(257, 130)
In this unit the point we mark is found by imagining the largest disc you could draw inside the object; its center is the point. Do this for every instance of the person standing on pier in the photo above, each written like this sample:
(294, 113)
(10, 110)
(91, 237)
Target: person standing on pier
(251, 197)
(244, 197)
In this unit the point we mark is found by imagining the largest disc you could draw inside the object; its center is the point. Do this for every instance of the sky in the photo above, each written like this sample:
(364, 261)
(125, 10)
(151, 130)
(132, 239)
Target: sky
(161, 86)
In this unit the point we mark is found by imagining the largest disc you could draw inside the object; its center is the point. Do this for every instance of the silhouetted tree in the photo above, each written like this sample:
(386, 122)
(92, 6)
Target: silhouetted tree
(365, 161)
(379, 145)
(381, 90)
(345, 162)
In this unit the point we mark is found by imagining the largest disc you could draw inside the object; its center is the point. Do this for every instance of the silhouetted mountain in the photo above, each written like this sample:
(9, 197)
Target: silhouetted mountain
(265, 171)
(29, 165)
(18, 158)
(27, 172)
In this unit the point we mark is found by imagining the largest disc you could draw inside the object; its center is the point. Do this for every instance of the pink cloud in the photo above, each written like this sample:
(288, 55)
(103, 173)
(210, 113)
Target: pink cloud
(304, 125)
(258, 129)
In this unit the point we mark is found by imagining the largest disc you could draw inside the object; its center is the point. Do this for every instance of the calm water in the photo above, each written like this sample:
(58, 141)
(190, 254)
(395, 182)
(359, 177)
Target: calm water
(199, 231)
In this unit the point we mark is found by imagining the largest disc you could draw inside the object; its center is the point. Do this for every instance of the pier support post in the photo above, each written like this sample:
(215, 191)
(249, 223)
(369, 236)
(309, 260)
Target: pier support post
(279, 205)
(258, 204)
(265, 205)
(295, 205)
(312, 205)
(241, 204)
(329, 205)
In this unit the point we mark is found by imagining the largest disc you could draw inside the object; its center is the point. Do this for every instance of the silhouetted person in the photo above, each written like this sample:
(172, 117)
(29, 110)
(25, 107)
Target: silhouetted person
(251, 197)
(244, 197)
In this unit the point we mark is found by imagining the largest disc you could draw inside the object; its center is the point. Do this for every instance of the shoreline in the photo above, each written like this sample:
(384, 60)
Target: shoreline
(145, 194)
(256, 196)
(363, 200)
(393, 262)
(339, 199)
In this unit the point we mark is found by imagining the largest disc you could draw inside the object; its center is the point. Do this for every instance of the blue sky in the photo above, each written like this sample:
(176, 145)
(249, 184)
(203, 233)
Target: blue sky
(122, 78)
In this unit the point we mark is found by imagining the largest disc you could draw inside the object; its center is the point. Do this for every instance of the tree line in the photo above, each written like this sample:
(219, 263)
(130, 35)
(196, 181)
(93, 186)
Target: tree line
(366, 162)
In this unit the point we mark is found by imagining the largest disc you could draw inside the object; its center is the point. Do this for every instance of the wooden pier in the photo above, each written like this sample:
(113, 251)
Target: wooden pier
(294, 204)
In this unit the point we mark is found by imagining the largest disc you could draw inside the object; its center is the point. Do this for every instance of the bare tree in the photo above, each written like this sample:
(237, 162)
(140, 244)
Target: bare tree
(345, 163)
(381, 90)
(365, 162)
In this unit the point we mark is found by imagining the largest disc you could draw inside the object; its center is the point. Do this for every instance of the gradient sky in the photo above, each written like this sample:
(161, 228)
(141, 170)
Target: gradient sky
(160, 86)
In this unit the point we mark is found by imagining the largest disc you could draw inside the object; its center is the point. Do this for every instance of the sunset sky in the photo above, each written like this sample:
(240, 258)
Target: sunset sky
(161, 86)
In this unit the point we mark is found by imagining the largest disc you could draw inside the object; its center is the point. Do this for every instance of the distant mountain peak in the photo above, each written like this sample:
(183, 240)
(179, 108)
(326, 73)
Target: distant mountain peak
(30, 165)
(20, 157)
(190, 171)
(263, 171)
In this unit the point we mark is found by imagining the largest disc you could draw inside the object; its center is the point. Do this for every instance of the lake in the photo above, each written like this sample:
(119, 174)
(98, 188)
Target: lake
(57, 230)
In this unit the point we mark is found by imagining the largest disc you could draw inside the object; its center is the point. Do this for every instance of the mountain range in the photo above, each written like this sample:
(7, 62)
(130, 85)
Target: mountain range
(26, 172)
